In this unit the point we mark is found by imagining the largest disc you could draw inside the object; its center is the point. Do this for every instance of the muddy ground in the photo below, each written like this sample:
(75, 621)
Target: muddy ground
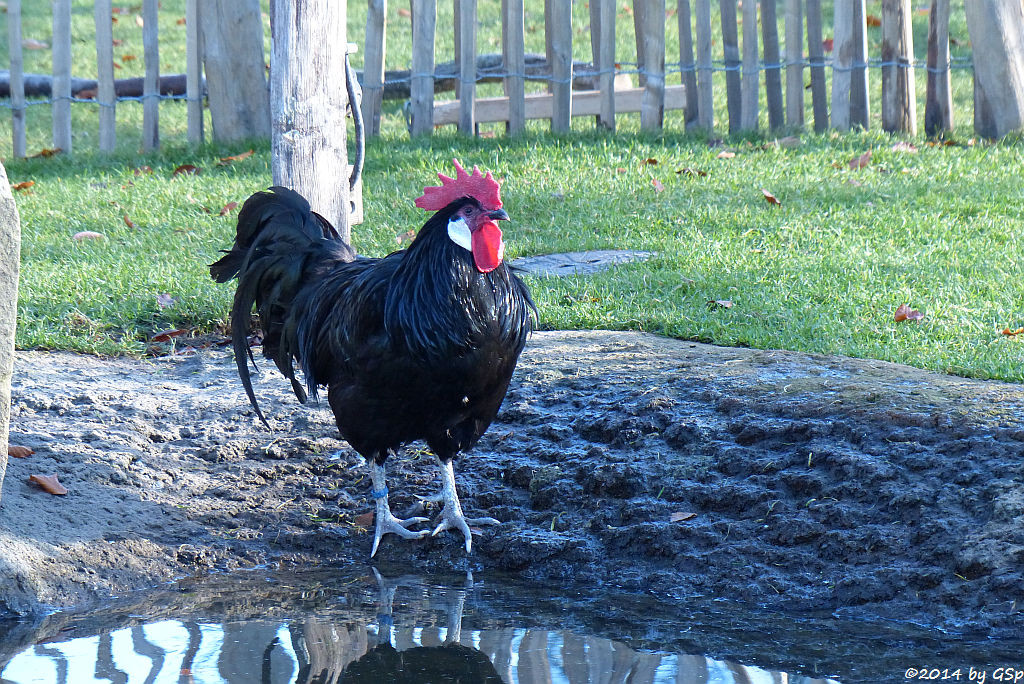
(803, 483)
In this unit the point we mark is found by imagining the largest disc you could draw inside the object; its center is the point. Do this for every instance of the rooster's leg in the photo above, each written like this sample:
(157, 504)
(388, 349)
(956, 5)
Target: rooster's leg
(451, 515)
(386, 521)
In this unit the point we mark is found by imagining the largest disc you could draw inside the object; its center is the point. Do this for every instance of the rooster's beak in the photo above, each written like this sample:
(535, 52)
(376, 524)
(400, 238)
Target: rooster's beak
(498, 215)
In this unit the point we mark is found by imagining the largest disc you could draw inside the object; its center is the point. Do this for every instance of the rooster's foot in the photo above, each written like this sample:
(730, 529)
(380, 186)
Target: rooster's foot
(388, 523)
(451, 517)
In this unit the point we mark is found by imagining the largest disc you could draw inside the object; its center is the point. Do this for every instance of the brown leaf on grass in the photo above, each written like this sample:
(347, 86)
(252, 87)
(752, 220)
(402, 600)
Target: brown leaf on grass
(1012, 333)
(24, 185)
(620, 170)
(827, 44)
(404, 12)
(15, 451)
(120, 10)
(364, 519)
(180, 21)
(46, 152)
(128, 221)
(770, 198)
(224, 161)
(186, 169)
(117, 66)
(725, 154)
(168, 335)
(872, 20)
(50, 484)
(720, 303)
(86, 235)
(861, 161)
(903, 146)
(687, 171)
(682, 516)
(88, 94)
(905, 313)
(658, 185)
(407, 236)
(128, 58)
(33, 44)
(650, 161)
(117, 42)
(227, 208)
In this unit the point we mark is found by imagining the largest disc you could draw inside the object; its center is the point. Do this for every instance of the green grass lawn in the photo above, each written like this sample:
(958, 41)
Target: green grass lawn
(939, 229)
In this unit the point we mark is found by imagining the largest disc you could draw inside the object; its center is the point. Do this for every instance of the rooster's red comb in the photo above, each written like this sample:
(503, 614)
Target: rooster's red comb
(483, 188)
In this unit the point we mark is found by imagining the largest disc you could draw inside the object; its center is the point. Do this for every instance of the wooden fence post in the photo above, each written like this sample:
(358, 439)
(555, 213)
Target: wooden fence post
(731, 50)
(105, 96)
(686, 64)
(151, 82)
(794, 64)
(705, 84)
(10, 256)
(373, 64)
(465, 20)
(899, 98)
(513, 54)
(751, 69)
(421, 85)
(938, 106)
(996, 29)
(61, 88)
(816, 57)
(307, 76)
(606, 64)
(652, 20)
(234, 64)
(842, 60)
(559, 33)
(17, 80)
(194, 71)
(859, 104)
(773, 66)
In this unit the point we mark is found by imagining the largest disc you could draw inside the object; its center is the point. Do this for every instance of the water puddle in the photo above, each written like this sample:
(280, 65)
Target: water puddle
(365, 626)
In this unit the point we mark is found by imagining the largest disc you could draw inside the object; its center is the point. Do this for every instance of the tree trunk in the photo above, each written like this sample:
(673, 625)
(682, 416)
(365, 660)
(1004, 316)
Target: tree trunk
(996, 29)
(232, 36)
(10, 255)
(307, 83)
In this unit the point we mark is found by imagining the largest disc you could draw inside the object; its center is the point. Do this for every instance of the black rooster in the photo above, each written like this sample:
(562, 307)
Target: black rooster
(420, 344)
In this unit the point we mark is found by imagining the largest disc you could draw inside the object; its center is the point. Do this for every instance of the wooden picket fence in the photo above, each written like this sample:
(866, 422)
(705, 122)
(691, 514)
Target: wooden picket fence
(802, 21)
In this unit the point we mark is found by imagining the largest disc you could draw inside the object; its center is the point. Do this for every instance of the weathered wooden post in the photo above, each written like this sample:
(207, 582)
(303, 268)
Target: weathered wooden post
(151, 82)
(61, 93)
(731, 51)
(899, 98)
(705, 88)
(996, 28)
(105, 96)
(751, 75)
(938, 106)
(10, 255)
(17, 82)
(232, 37)
(816, 58)
(794, 64)
(307, 84)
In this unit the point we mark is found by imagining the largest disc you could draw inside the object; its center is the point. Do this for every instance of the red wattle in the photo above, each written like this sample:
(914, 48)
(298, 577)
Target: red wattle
(487, 247)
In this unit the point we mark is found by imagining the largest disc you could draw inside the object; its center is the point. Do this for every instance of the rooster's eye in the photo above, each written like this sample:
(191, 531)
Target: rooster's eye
(468, 211)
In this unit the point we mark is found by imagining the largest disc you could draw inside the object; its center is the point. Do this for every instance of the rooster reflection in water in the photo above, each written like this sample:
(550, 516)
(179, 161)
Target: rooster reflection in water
(418, 345)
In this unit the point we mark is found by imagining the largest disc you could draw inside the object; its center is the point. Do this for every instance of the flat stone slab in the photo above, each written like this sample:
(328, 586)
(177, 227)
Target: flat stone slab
(578, 263)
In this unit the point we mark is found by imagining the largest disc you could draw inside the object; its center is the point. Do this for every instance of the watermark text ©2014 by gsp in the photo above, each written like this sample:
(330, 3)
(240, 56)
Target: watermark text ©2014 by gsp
(965, 674)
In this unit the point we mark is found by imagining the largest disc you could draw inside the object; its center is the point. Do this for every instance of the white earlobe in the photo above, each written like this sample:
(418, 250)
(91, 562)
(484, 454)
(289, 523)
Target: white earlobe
(460, 234)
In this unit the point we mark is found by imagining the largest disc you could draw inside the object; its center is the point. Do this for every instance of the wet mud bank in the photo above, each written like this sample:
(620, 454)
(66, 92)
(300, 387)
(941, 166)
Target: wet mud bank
(816, 485)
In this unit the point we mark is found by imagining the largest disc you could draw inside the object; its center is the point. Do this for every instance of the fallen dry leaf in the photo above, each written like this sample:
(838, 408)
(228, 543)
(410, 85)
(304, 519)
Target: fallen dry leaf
(725, 154)
(861, 161)
(720, 303)
(33, 44)
(827, 44)
(227, 209)
(128, 58)
(128, 221)
(117, 66)
(224, 161)
(46, 152)
(407, 236)
(363, 519)
(770, 198)
(15, 451)
(650, 161)
(168, 335)
(49, 483)
(1012, 333)
(24, 185)
(687, 171)
(404, 12)
(186, 169)
(903, 146)
(905, 313)
(180, 21)
(658, 185)
(681, 516)
(165, 300)
(86, 235)
(89, 94)
(620, 170)
(872, 20)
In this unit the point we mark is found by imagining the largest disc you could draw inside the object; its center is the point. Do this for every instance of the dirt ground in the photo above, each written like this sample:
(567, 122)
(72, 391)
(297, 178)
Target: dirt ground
(803, 483)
